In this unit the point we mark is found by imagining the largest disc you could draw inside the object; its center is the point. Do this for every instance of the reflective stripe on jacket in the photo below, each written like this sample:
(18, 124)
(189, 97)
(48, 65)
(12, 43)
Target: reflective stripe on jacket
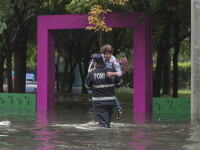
(103, 88)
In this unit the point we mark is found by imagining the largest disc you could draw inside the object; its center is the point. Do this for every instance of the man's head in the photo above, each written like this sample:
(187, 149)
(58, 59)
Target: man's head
(97, 59)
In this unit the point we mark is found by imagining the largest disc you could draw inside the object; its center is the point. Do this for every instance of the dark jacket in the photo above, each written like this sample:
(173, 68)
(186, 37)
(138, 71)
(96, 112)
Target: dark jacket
(103, 88)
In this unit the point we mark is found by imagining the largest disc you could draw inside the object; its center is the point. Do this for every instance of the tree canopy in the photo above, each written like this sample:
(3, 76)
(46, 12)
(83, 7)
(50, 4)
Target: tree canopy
(18, 36)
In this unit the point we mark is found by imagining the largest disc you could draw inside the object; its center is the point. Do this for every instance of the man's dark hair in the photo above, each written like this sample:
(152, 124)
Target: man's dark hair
(99, 61)
(97, 58)
(106, 48)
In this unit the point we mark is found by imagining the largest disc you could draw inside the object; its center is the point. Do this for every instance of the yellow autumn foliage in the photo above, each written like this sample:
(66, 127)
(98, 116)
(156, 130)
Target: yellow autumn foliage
(97, 15)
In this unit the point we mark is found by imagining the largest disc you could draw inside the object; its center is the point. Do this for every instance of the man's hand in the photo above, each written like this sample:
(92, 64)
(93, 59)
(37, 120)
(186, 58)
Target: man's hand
(110, 74)
(90, 70)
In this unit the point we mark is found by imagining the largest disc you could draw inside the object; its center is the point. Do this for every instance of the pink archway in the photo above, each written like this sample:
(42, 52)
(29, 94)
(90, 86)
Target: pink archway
(141, 24)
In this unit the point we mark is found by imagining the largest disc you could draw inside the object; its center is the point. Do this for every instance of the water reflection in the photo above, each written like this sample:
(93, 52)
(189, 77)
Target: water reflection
(142, 141)
(142, 118)
(43, 134)
(194, 137)
(74, 126)
(159, 128)
(139, 137)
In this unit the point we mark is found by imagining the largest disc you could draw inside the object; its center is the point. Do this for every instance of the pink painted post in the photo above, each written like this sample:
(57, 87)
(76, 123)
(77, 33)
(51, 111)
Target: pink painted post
(149, 26)
(52, 70)
(142, 54)
(143, 66)
(42, 65)
(45, 67)
(42, 134)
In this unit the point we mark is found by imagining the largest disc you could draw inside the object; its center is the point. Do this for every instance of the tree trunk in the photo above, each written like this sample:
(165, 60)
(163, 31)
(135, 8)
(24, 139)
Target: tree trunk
(166, 74)
(9, 72)
(57, 74)
(20, 68)
(158, 74)
(85, 72)
(175, 59)
(84, 90)
(71, 71)
(100, 38)
(64, 75)
(2, 60)
(71, 81)
(19, 49)
(162, 51)
(81, 69)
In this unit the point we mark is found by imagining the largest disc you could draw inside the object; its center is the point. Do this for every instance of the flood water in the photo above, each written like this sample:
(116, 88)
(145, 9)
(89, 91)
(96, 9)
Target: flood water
(73, 126)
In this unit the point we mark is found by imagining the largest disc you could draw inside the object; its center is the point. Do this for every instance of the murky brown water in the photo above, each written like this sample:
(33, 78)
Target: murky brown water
(73, 126)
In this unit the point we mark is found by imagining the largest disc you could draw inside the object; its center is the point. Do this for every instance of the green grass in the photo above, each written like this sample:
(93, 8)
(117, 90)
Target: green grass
(184, 93)
(126, 95)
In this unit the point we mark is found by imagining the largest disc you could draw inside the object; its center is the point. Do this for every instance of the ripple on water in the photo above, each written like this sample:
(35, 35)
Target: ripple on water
(93, 125)
(5, 123)
(3, 135)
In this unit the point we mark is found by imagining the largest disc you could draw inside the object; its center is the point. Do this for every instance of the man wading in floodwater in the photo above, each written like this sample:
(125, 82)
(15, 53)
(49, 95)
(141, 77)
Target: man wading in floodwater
(103, 90)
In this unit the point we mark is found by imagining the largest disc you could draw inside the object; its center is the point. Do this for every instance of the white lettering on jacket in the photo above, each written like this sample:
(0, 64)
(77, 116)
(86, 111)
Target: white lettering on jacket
(99, 76)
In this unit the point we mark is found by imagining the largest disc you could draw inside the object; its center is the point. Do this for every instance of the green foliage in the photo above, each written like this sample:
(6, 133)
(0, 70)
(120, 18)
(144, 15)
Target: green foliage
(160, 9)
(3, 15)
(79, 6)
(184, 75)
(97, 10)
(2, 26)
(185, 50)
(51, 4)
(31, 56)
(184, 79)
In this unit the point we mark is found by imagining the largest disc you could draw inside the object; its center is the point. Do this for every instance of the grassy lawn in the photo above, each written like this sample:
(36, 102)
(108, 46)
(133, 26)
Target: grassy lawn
(126, 95)
(184, 93)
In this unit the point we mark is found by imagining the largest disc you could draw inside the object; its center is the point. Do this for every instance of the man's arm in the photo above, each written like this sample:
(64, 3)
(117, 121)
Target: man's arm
(117, 69)
(88, 81)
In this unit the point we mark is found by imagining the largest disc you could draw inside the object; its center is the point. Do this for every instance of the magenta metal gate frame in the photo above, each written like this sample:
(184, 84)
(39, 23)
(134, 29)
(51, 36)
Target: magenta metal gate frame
(141, 24)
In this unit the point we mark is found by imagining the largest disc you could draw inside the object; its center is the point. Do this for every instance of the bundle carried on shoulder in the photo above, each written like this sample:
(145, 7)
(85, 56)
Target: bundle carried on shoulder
(123, 63)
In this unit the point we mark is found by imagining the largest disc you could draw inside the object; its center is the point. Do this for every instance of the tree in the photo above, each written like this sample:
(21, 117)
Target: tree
(18, 19)
(76, 51)
(181, 32)
(98, 10)
(2, 59)
(22, 14)
(167, 18)
(3, 16)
